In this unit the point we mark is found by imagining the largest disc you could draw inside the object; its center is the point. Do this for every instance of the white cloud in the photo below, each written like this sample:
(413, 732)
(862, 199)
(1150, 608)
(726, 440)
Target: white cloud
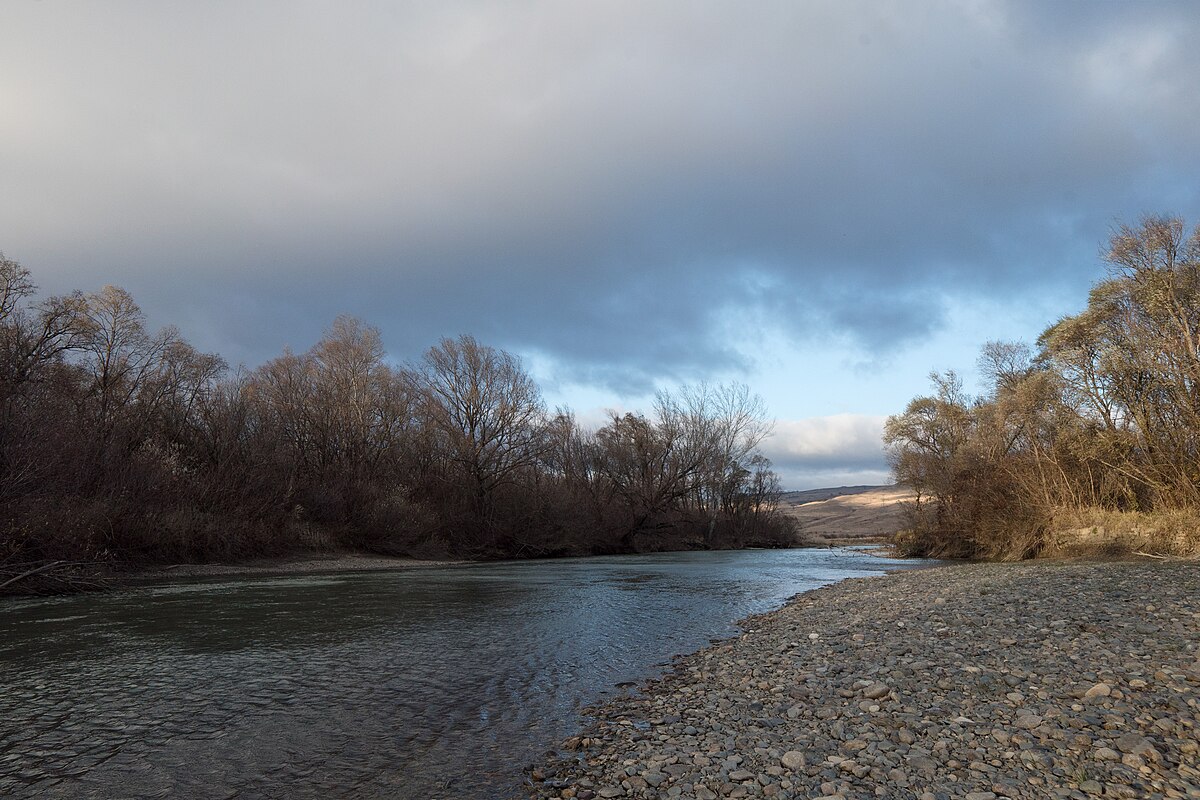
(800, 480)
(849, 437)
(836, 450)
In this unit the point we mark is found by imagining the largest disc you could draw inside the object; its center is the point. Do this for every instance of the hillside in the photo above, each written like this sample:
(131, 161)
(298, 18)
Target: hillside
(815, 495)
(848, 514)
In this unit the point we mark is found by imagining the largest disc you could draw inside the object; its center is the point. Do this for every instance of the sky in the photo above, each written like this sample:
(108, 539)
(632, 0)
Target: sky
(822, 200)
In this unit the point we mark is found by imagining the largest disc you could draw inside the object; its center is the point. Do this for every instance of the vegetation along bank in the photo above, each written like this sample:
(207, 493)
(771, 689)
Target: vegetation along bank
(120, 445)
(1088, 443)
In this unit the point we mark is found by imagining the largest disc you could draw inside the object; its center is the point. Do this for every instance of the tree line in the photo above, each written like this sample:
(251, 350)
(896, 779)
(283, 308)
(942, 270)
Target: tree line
(1099, 424)
(123, 444)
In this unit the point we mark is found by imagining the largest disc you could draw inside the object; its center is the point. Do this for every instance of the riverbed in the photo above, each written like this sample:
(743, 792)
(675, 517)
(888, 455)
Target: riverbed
(427, 683)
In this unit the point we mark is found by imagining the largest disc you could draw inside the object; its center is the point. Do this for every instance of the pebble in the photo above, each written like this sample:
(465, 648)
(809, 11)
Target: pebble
(876, 691)
(793, 760)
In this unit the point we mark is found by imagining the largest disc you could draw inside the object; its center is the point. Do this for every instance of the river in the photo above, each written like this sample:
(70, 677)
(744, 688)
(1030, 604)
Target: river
(427, 683)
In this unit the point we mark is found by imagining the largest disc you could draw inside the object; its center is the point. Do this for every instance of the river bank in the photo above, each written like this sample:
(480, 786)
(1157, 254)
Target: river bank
(293, 565)
(1028, 680)
(65, 577)
(75, 577)
(860, 515)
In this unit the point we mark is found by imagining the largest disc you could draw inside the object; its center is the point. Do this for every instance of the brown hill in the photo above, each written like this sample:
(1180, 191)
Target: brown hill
(857, 514)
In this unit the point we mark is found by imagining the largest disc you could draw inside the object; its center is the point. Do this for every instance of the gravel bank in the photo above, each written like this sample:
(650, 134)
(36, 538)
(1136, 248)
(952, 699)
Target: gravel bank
(980, 681)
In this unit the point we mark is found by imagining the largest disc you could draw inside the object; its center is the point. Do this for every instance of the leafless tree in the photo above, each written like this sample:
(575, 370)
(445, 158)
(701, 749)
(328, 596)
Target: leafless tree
(122, 443)
(488, 417)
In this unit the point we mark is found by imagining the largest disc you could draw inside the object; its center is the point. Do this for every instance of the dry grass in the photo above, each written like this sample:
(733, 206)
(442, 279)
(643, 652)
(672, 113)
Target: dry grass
(1094, 531)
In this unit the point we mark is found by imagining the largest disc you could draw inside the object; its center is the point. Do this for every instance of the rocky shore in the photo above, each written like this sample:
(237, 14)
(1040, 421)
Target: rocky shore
(979, 681)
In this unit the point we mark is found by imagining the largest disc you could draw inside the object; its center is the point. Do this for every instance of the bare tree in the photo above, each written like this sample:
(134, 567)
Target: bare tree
(487, 413)
(33, 337)
(15, 286)
(693, 459)
(122, 356)
(118, 442)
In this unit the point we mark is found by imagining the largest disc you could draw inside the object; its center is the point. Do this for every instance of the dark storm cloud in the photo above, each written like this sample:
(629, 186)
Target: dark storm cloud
(621, 187)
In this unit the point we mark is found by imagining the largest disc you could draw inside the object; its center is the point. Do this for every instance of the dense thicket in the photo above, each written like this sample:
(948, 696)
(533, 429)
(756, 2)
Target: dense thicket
(1099, 426)
(120, 443)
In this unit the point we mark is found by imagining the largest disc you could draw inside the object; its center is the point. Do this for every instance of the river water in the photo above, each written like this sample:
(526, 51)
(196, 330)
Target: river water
(404, 684)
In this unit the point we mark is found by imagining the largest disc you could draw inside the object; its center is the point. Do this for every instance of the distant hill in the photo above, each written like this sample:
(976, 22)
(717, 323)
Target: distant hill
(815, 495)
(848, 514)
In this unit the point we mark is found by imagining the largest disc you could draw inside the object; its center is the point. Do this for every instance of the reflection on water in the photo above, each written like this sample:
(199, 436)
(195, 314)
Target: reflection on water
(429, 683)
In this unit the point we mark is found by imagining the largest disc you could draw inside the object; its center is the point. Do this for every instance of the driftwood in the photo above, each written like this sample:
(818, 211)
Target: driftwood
(75, 582)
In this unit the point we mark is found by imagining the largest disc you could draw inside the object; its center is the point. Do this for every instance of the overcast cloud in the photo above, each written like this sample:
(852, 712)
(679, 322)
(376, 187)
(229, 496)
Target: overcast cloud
(839, 450)
(632, 193)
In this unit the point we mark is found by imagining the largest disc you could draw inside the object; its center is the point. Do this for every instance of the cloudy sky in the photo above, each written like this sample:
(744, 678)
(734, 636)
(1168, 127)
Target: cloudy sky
(824, 200)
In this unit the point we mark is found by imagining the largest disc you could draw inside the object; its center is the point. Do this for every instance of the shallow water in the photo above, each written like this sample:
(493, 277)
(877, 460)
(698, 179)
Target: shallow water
(403, 684)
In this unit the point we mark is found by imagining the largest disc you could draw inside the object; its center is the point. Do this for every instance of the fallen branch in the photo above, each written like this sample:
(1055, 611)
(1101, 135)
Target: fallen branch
(32, 572)
(46, 568)
(1151, 555)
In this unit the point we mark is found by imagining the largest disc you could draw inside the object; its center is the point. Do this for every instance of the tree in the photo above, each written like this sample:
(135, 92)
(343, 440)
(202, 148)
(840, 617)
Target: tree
(15, 286)
(343, 416)
(32, 338)
(732, 422)
(123, 359)
(1132, 357)
(488, 420)
(688, 464)
(33, 341)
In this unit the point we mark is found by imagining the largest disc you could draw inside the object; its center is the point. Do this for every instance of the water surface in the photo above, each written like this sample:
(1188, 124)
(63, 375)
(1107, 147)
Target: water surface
(402, 684)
